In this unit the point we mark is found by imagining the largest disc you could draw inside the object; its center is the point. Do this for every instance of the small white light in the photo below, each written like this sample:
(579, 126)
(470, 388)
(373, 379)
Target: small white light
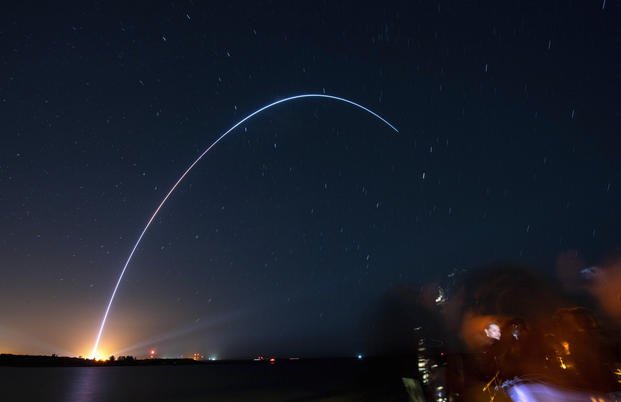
(493, 331)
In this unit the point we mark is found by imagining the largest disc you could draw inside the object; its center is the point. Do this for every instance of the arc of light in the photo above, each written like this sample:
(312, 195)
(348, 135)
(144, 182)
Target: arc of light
(185, 173)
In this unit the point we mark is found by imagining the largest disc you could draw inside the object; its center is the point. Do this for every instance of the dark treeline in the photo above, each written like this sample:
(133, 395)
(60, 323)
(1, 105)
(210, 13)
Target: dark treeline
(54, 360)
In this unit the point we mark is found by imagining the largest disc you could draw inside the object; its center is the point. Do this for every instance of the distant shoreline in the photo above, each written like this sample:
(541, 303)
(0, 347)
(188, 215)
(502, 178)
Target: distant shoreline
(13, 360)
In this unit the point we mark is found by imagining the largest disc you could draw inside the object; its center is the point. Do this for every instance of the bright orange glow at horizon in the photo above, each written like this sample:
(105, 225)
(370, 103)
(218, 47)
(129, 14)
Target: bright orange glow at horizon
(104, 350)
(99, 355)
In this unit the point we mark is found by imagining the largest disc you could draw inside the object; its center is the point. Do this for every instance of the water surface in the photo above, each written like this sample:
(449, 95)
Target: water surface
(303, 381)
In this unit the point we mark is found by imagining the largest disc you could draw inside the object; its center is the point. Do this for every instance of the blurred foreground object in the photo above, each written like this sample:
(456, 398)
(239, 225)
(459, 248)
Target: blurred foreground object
(510, 333)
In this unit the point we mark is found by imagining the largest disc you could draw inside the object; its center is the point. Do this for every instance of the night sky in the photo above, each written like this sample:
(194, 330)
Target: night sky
(285, 238)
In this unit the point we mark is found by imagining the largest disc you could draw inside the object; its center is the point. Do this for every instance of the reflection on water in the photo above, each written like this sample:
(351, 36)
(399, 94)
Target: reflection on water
(83, 386)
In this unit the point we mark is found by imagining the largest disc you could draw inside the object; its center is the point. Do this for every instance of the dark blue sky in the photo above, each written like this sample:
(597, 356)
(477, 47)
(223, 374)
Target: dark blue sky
(284, 239)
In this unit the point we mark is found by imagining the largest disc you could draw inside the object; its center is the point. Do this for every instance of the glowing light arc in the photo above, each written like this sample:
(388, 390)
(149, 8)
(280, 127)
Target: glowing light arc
(185, 173)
